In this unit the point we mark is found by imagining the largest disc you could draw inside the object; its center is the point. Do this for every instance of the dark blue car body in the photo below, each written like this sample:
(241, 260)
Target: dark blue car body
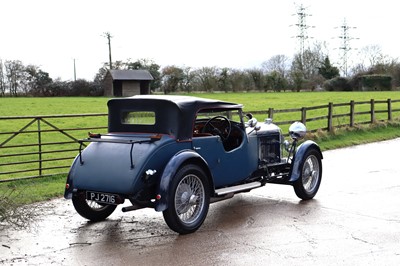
(177, 154)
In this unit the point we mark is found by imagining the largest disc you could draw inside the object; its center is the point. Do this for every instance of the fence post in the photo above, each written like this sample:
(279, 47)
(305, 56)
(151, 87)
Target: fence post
(351, 113)
(39, 146)
(303, 115)
(372, 111)
(330, 114)
(271, 113)
(389, 107)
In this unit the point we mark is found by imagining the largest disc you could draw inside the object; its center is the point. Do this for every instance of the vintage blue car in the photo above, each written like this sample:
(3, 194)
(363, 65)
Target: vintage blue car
(178, 154)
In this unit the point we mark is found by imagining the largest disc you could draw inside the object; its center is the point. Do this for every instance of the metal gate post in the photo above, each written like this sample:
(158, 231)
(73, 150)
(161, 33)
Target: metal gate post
(39, 146)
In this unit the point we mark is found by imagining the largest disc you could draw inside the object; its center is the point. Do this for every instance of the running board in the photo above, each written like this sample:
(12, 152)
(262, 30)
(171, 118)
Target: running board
(221, 198)
(238, 188)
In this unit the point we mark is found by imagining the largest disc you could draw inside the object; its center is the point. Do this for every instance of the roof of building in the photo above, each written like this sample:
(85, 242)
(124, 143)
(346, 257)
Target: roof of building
(130, 74)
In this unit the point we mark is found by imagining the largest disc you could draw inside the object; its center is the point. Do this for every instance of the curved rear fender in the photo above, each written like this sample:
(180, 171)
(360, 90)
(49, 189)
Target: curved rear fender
(69, 183)
(183, 157)
(300, 153)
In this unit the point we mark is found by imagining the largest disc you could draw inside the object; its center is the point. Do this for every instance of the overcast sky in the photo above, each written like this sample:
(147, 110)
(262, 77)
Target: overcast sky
(224, 33)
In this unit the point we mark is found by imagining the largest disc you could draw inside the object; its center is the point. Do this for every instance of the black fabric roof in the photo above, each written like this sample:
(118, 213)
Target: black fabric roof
(130, 74)
(189, 104)
(174, 114)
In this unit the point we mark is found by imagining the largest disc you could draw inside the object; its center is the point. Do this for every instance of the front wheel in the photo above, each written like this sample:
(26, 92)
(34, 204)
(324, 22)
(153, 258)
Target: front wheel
(306, 187)
(92, 210)
(188, 200)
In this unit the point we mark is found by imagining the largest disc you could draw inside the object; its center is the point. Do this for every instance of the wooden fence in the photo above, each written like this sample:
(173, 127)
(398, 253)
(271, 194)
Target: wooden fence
(367, 112)
(46, 145)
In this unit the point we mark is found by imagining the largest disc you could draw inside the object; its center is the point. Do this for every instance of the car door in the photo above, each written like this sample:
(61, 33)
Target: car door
(227, 167)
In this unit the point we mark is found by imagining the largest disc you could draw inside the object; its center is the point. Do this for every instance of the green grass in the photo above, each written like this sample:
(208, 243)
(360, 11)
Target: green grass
(23, 106)
(357, 135)
(34, 190)
(42, 189)
(284, 100)
(26, 106)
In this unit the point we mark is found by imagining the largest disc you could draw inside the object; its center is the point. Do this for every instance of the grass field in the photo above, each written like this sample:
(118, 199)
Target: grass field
(251, 101)
(21, 106)
(51, 187)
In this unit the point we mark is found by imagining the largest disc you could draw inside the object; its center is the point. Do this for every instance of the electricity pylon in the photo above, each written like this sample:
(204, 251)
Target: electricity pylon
(302, 28)
(345, 46)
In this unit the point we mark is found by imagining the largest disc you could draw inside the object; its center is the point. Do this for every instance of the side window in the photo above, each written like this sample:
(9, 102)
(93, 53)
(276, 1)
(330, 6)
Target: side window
(138, 118)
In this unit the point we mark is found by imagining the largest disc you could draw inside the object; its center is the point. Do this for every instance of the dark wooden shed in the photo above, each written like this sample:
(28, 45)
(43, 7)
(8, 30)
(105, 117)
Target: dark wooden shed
(124, 83)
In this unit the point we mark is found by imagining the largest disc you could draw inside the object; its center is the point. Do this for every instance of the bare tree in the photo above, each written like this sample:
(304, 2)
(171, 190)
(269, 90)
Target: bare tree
(305, 68)
(225, 79)
(372, 55)
(238, 78)
(297, 80)
(257, 78)
(2, 80)
(276, 82)
(188, 77)
(371, 58)
(207, 78)
(278, 63)
(14, 73)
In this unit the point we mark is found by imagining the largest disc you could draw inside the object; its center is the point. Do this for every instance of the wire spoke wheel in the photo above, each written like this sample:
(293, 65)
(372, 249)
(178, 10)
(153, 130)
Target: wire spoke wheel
(188, 200)
(306, 187)
(310, 173)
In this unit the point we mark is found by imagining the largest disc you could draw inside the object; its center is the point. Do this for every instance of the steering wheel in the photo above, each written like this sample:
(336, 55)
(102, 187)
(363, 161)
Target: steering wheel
(223, 130)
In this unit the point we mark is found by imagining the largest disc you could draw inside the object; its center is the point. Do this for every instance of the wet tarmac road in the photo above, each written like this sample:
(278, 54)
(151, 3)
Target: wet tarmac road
(353, 220)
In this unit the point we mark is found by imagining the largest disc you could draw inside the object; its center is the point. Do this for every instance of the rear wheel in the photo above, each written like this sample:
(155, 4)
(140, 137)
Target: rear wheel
(188, 200)
(306, 187)
(92, 210)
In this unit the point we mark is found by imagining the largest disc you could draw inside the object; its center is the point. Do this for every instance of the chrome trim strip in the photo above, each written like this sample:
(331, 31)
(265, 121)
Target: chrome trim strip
(226, 190)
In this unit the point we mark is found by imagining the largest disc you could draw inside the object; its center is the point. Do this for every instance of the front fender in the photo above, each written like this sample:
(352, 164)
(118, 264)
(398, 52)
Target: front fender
(298, 158)
(169, 172)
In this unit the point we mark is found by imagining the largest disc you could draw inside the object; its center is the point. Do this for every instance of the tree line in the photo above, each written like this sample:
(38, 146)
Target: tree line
(311, 70)
(17, 79)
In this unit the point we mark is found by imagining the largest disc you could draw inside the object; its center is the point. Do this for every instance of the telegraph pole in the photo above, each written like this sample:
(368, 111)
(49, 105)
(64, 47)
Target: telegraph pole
(74, 71)
(108, 36)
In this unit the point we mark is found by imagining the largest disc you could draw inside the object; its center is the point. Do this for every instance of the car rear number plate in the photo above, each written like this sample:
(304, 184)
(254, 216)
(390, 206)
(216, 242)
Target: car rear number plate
(101, 197)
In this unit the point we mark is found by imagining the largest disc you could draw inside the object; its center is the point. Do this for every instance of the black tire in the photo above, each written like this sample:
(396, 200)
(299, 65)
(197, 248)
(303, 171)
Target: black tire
(306, 187)
(92, 210)
(188, 200)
